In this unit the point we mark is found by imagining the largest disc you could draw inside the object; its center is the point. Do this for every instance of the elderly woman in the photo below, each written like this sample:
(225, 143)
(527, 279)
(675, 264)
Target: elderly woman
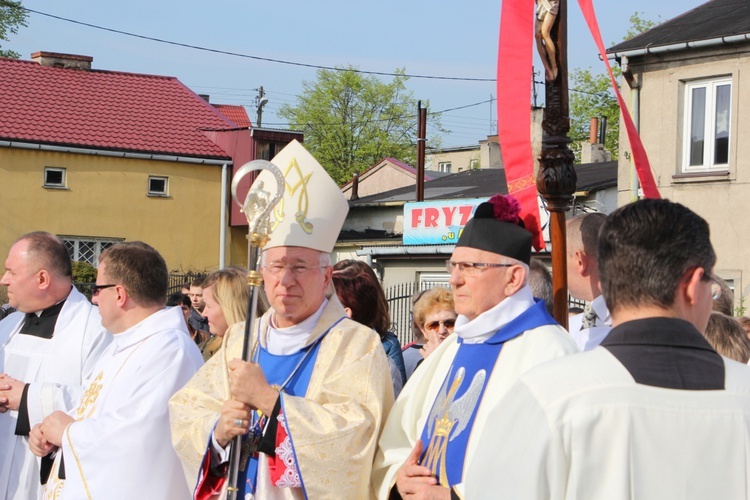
(226, 294)
(435, 317)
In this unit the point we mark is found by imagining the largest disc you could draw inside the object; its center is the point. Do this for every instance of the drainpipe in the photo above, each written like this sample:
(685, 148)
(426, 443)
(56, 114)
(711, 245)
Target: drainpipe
(635, 93)
(223, 216)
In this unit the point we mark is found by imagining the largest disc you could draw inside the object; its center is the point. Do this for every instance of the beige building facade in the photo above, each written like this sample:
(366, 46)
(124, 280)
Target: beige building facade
(690, 101)
(93, 201)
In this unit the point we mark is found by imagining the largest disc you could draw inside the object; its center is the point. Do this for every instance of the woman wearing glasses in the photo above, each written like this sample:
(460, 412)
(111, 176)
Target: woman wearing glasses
(435, 317)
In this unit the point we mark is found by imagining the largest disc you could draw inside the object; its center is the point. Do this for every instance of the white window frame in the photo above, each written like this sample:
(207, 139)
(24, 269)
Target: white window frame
(445, 166)
(474, 163)
(709, 126)
(163, 193)
(76, 246)
(428, 280)
(60, 185)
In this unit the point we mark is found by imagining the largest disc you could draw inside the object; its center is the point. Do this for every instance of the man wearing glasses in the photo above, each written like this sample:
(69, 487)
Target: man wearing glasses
(654, 412)
(115, 442)
(311, 402)
(47, 350)
(500, 332)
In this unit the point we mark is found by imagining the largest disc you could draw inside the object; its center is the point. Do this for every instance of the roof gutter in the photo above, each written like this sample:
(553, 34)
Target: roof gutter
(116, 154)
(697, 44)
(407, 250)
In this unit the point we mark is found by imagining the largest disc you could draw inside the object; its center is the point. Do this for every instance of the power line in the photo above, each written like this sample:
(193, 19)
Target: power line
(246, 56)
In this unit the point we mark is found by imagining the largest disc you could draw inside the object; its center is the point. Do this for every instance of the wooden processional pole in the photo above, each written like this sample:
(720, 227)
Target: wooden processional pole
(556, 178)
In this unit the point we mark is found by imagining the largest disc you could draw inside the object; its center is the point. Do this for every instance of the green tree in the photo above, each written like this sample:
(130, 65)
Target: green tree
(352, 121)
(592, 96)
(12, 17)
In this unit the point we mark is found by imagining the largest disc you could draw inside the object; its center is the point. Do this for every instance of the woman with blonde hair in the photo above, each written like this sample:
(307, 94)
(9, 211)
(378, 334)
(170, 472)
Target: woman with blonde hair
(226, 295)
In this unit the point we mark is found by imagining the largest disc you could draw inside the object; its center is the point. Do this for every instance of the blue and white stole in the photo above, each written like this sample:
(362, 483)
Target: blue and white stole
(291, 372)
(449, 425)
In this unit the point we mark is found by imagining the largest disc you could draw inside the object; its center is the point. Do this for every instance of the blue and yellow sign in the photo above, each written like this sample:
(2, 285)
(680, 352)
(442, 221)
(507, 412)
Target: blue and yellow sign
(437, 222)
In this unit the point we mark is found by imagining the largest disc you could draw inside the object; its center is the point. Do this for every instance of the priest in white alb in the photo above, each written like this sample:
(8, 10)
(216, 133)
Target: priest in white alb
(115, 443)
(47, 349)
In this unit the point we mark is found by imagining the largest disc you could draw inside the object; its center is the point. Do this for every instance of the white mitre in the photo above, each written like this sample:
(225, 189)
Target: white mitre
(313, 209)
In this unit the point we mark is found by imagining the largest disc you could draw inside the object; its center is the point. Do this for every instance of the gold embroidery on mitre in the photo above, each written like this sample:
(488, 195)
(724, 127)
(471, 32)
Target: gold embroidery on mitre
(450, 417)
(521, 184)
(303, 200)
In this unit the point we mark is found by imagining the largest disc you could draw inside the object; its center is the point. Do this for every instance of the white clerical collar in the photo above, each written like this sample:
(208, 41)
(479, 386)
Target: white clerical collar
(281, 341)
(600, 307)
(486, 324)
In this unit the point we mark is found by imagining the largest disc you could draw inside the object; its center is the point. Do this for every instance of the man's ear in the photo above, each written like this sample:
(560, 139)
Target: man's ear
(516, 280)
(43, 279)
(581, 259)
(122, 295)
(689, 286)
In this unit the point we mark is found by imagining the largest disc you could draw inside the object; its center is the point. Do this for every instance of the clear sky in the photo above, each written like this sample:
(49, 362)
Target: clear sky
(426, 37)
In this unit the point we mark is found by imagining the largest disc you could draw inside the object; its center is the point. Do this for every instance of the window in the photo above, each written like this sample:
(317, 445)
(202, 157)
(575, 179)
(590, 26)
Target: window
(429, 280)
(474, 163)
(445, 166)
(707, 125)
(157, 186)
(54, 177)
(86, 249)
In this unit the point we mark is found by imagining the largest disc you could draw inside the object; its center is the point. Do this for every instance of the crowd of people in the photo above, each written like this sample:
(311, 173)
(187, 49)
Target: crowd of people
(126, 398)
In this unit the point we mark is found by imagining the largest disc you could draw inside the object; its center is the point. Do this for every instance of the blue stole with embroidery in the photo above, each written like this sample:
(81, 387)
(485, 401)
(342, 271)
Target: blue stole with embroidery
(277, 369)
(448, 427)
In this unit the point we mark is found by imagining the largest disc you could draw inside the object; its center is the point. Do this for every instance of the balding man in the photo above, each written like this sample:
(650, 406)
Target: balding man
(47, 349)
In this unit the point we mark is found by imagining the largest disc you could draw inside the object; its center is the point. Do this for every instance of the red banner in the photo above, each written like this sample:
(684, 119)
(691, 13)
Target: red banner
(514, 80)
(640, 158)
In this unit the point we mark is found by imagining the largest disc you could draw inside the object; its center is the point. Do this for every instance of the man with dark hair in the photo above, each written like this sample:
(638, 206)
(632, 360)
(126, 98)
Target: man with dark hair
(501, 331)
(47, 349)
(594, 323)
(117, 437)
(646, 414)
(197, 320)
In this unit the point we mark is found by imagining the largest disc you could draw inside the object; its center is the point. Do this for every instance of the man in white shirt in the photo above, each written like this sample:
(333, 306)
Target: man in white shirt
(115, 443)
(47, 349)
(501, 331)
(591, 326)
(653, 412)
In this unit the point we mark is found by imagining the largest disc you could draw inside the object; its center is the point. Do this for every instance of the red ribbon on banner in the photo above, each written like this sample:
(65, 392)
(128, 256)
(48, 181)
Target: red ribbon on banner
(514, 74)
(640, 158)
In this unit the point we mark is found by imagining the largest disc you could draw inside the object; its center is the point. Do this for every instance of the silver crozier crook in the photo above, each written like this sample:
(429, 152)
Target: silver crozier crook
(257, 207)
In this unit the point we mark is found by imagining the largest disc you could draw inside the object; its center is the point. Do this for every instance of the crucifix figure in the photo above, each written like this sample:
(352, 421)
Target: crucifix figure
(546, 13)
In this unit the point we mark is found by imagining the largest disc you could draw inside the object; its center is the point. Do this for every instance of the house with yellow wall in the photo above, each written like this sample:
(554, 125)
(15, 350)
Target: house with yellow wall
(98, 157)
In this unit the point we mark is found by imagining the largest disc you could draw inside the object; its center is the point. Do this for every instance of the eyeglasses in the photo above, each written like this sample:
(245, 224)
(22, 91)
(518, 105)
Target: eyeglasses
(472, 268)
(95, 289)
(715, 287)
(296, 270)
(435, 325)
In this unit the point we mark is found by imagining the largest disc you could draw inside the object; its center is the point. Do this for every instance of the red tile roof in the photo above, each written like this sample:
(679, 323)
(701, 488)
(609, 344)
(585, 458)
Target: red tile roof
(105, 110)
(237, 114)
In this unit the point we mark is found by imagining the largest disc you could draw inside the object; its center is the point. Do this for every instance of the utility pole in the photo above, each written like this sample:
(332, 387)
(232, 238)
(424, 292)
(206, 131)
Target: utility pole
(262, 100)
(421, 139)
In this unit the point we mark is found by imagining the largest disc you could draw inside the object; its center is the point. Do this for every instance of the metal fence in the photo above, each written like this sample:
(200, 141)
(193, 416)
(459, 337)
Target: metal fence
(399, 305)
